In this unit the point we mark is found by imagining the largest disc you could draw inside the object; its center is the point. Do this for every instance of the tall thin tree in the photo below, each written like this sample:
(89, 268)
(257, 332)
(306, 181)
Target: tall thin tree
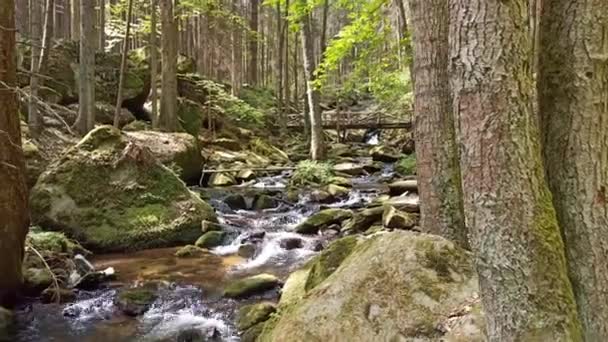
(123, 65)
(154, 62)
(34, 118)
(86, 77)
(168, 120)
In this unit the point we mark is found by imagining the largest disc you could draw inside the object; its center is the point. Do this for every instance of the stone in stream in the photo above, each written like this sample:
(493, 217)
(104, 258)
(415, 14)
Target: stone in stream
(53, 295)
(342, 181)
(245, 175)
(392, 286)
(210, 239)
(291, 243)
(351, 169)
(93, 280)
(208, 226)
(321, 196)
(322, 219)
(250, 315)
(210, 334)
(254, 237)
(264, 201)
(111, 194)
(362, 220)
(396, 219)
(236, 202)
(384, 154)
(191, 251)
(400, 187)
(221, 179)
(337, 191)
(247, 251)
(135, 301)
(251, 285)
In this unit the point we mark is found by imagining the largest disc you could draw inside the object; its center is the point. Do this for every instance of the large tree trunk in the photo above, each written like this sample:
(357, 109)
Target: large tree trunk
(317, 143)
(252, 69)
(573, 105)
(14, 217)
(168, 103)
(86, 77)
(438, 171)
(33, 117)
(519, 251)
(154, 64)
(75, 19)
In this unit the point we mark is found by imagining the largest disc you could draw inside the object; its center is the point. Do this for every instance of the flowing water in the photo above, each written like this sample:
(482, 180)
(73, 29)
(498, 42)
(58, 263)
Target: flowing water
(190, 292)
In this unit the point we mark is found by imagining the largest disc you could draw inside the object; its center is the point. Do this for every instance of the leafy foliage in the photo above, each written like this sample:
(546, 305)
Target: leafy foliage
(406, 165)
(310, 172)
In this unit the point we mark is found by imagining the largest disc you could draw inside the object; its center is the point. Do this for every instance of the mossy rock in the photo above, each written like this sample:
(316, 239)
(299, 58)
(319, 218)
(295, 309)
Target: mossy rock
(398, 188)
(190, 116)
(251, 334)
(35, 162)
(329, 260)
(191, 251)
(54, 242)
(389, 288)
(322, 219)
(341, 181)
(263, 201)
(54, 295)
(337, 191)
(221, 179)
(363, 220)
(396, 219)
(135, 301)
(37, 280)
(251, 285)
(350, 169)
(111, 194)
(236, 202)
(250, 315)
(210, 239)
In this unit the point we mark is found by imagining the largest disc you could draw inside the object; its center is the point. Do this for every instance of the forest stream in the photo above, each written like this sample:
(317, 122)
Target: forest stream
(190, 291)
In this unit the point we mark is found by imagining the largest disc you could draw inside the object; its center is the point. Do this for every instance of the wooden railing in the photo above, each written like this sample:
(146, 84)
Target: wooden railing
(340, 120)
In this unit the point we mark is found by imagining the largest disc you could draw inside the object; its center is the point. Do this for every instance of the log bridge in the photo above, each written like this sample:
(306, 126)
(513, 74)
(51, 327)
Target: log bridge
(343, 120)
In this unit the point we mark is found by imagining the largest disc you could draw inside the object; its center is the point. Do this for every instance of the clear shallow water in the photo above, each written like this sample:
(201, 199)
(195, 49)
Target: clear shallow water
(190, 298)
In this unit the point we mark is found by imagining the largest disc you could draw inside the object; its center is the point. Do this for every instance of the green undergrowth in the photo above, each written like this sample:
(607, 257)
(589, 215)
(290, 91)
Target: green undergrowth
(312, 173)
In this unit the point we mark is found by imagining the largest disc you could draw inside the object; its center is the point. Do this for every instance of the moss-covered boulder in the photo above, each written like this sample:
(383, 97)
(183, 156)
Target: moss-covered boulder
(178, 151)
(363, 220)
(250, 315)
(111, 194)
(324, 218)
(135, 301)
(190, 115)
(251, 285)
(211, 239)
(329, 260)
(398, 286)
(35, 163)
(191, 251)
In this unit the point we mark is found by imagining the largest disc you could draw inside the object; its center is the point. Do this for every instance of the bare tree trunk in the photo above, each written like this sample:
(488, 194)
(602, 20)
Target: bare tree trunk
(34, 118)
(154, 64)
(23, 17)
(317, 143)
(286, 50)
(573, 106)
(520, 257)
(323, 42)
(86, 78)
(234, 58)
(14, 216)
(102, 25)
(438, 173)
(168, 103)
(75, 20)
(252, 69)
(279, 67)
(123, 66)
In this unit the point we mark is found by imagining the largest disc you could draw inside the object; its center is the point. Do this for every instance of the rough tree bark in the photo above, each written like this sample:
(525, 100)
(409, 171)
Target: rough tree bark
(14, 217)
(252, 69)
(123, 66)
(168, 103)
(75, 19)
(317, 143)
(102, 25)
(573, 106)
(34, 119)
(22, 16)
(438, 171)
(86, 77)
(154, 64)
(519, 251)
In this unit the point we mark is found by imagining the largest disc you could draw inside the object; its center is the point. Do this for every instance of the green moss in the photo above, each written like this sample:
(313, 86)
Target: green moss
(251, 285)
(138, 296)
(210, 239)
(190, 116)
(322, 219)
(312, 173)
(250, 315)
(406, 165)
(190, 251)
(329, 261)
(443, 260)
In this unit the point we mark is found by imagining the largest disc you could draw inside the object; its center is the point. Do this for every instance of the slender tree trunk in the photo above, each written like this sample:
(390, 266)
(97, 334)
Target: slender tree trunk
(102, 25)
(234, 58)
(23, 17)
(75, 20)
(168, 104)
(34, 118)
(252, 69)
(14, 216)
(123, 66)
(279, 67)
(86, 78)
(154, 64)
(323, 42)
(522, 271)
(286, 50)
(317, 143)
(438, 173)
(573, 106)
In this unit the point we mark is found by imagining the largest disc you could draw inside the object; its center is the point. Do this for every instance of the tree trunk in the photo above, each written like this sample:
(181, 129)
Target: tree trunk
(317, 143)
(252, 69)
(154, 64)
(34, 119)
(102, 25)
(123, 66)
(323, 43)
(234, 57)
(441, 208)
(23, 17)
(75, 20)
(279, 67)
(520, 257)
(86, 78)
(14, 217)
(573, 106)
(168, 103)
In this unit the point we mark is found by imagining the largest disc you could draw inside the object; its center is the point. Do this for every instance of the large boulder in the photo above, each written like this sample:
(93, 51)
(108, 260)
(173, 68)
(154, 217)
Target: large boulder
(178, 151)
(251, 285)
(398, 286)
(111, 194)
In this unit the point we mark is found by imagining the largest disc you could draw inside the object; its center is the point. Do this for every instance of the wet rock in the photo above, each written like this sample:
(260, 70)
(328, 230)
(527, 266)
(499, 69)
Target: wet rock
(210, 239)
(322, 219)
(321, 196)
(245, 175)
(7, 322)
(83, 266)
(254, 237)
(393, 286)
(251, 285)
(251, 334)
(362, 220)
(384, 154)
(221, 179)
(54, 295)
(403, 203)
(191, 251)
(329, 260)
(111, 194)
(208, 226)
(396, 219)
(250, 315)
(247, 250)
(337, 191)
(37, 280)
(178, 151)
(400, 187)
(135, 301)
(373, 167)
(341, 181)
(93, 280)
(351, 169)
(263, 201)
(291, 243)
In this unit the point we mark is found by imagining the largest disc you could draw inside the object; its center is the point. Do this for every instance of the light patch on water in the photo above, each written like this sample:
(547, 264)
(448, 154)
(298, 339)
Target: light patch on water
(97, 308)
(374, 140)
